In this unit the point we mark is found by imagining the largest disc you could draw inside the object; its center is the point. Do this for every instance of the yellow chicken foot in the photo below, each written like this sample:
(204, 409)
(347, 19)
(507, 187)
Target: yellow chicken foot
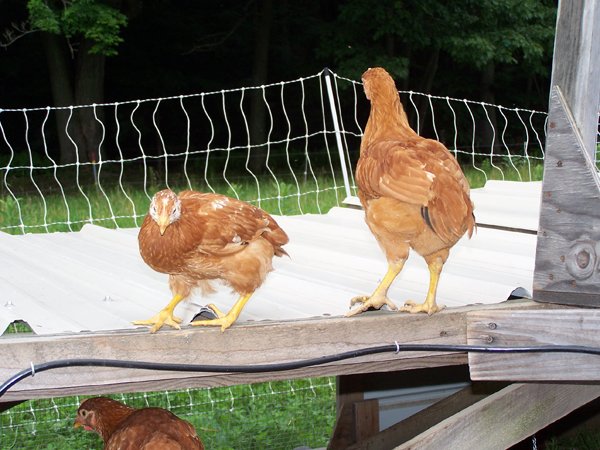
(224, 320)
(429, 306)
(164, 317)
(379, 298)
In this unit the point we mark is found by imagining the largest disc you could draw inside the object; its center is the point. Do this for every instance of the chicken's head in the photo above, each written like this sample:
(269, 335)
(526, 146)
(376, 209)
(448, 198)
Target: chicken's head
(101, 415)
(165, 209)
(86, 418)
(378, 82)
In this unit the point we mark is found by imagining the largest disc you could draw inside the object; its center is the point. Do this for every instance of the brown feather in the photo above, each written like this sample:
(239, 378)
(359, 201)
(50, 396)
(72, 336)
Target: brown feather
(124, 428)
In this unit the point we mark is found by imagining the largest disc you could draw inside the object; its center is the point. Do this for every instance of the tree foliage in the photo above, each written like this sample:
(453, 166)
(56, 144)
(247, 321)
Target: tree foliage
(434, 46)
(503, 31)
(394, 33)
(88, 19)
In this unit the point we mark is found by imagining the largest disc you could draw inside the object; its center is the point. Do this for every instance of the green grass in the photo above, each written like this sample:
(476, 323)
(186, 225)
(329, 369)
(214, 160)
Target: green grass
(112, 205)
(586, 440)
(275, 415)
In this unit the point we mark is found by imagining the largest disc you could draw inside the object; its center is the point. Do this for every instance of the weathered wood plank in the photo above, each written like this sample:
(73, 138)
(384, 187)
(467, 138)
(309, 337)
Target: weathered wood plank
(574, 326)
(249, 343)
(576, 65)
(506, 417)
(349, 390)
(568, 249)
(366, 418)
(423, 420)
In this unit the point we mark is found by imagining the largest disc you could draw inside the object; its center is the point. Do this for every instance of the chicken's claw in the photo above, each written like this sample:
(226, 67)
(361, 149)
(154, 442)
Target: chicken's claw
(374, 301)
(413, 307)
(162, 318)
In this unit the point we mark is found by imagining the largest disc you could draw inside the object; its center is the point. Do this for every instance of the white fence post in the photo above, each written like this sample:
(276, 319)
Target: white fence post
(338, 134)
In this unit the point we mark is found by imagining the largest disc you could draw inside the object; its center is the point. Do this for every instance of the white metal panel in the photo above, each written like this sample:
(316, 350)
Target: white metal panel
(95, 279)
(510, 204)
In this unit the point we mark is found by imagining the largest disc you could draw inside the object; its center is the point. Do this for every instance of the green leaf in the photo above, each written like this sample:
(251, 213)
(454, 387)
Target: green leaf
(43, 17)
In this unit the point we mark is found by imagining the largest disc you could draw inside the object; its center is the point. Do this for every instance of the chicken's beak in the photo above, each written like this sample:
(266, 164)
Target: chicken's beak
(163, 224)
(77, 424)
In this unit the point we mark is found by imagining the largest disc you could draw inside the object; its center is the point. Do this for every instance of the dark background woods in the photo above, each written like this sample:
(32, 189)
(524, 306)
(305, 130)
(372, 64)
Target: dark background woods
(94, 51)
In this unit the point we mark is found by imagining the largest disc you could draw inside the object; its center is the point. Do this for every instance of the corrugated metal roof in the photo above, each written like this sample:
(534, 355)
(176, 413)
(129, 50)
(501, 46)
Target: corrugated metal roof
(510, 204)
(95, 279)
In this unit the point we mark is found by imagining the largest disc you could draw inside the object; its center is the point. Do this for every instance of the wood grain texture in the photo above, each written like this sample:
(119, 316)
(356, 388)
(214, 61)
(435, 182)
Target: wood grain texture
(531, 328)
(576, 65)
(423, 420)
(568, 249)
(505, 418)
(249, 343)
(366, 419)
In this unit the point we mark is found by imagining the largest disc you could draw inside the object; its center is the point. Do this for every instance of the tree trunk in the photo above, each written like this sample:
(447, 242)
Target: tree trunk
(258, 135)
(486, 130)
(62, 92)
(89, 89)
(426, 84)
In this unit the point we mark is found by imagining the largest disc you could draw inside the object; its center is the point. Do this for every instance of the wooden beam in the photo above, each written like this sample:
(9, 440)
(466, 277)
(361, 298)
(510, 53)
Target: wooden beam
(423, 420)
(366, 419)
(245, 343)
(576, 65)
(356, 417)
(568, 249)
(506, 417)
(567, 258)
(574, 326)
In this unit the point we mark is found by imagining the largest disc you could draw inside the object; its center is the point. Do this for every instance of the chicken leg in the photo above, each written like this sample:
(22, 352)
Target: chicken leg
(164, 317)
(379, 297)
(429, 306)
(225, 320)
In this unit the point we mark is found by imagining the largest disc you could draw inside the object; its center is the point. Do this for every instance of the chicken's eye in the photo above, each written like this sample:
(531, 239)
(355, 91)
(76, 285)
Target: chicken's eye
(83, 413)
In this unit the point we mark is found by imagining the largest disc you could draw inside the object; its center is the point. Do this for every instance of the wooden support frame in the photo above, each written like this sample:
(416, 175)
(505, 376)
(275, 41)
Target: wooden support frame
(576, 65)
(534, 328)
(250, 343)
(486, 415)
(422, 421)
(568, 248)
(505, 417)
(356, 418)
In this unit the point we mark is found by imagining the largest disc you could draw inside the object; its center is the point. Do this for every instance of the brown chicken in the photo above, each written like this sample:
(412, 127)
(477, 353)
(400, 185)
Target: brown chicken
(412, 190)
(197, 237)
(124, 428)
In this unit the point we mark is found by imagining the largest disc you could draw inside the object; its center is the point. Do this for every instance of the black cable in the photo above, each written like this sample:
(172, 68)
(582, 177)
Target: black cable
(278, 367)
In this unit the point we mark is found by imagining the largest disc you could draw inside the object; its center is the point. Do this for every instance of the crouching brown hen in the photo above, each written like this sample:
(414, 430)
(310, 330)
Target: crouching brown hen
(412, 190)
(124, 428)
(197, 237)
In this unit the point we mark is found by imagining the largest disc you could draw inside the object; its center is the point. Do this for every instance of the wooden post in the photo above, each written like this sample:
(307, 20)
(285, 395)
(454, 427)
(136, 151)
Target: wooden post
(357, 418)
(568, 247)
(576, 65)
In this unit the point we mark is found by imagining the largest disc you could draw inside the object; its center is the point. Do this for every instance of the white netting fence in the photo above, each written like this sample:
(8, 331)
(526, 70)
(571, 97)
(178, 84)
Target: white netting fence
(288, 147)
(273, 415)
(276, 146)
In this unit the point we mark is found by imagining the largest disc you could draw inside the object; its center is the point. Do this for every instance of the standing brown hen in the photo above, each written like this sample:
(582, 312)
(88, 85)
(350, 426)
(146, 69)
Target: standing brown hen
(196, 237)
(124, 428)
(412, 190)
